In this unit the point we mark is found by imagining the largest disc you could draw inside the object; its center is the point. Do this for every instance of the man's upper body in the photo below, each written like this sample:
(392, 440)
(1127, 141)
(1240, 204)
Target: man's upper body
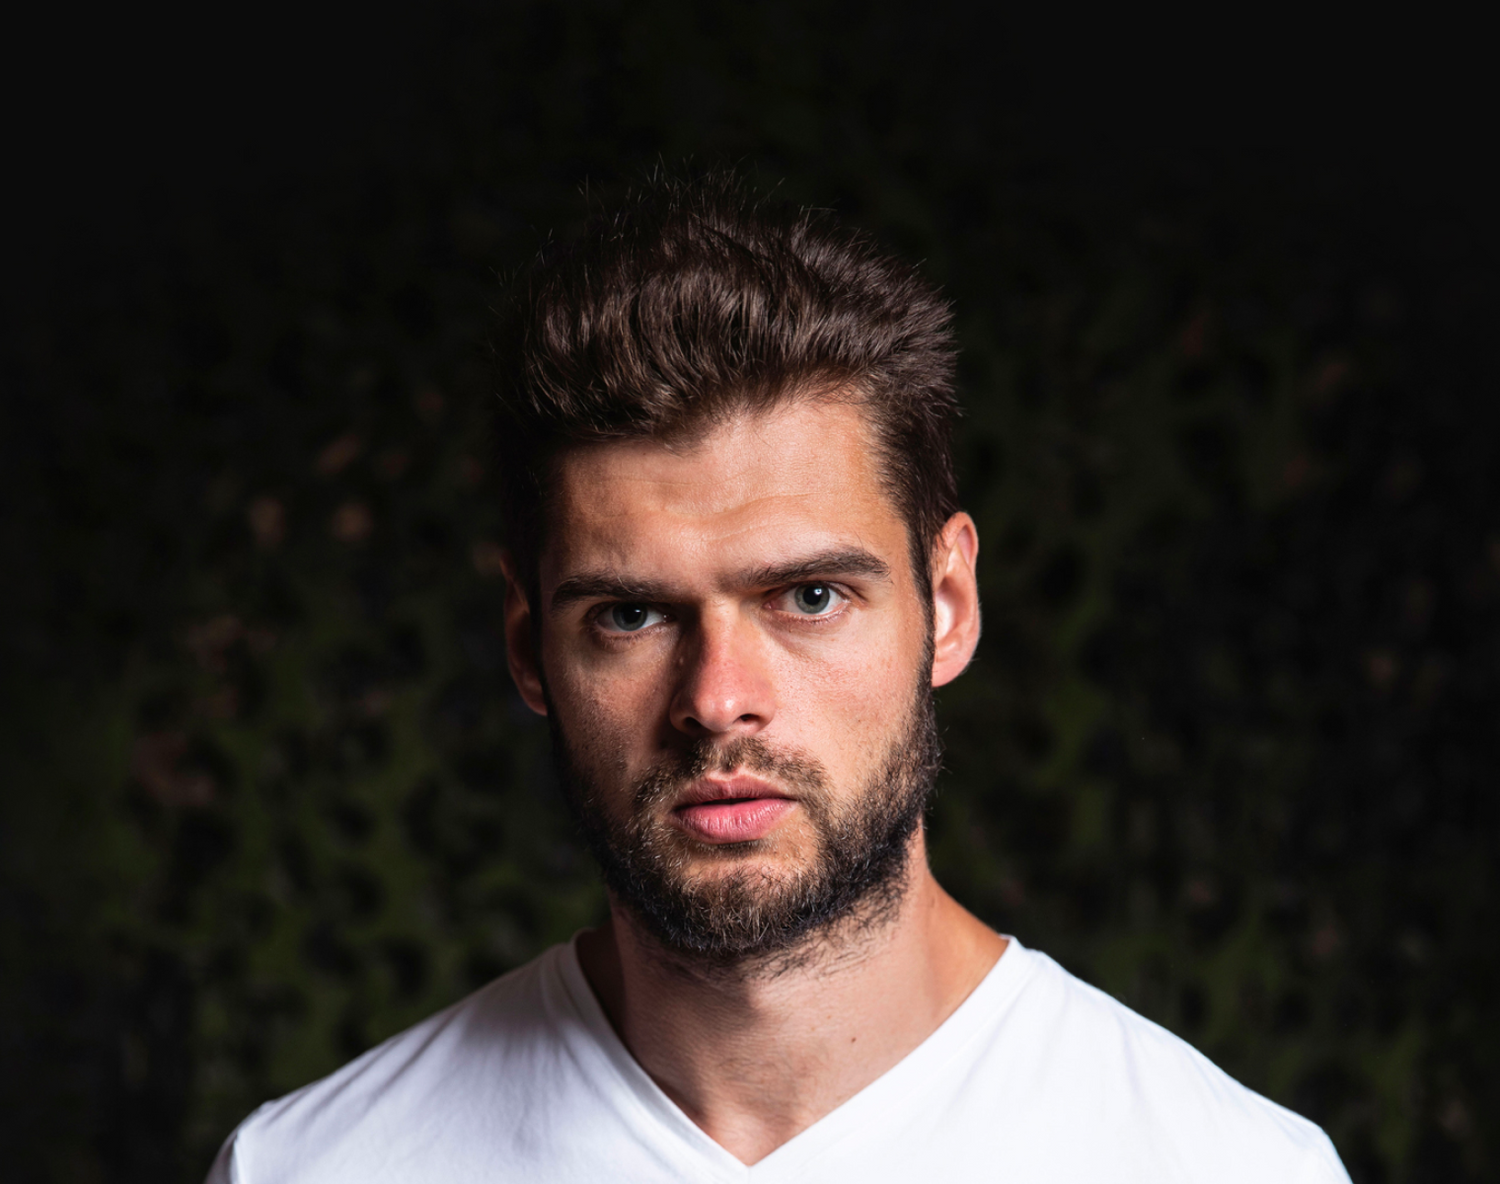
(1035, 1077)
(737, 572)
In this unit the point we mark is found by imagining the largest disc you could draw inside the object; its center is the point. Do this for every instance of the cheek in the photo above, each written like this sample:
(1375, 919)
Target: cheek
(605, 711)
(843, 708)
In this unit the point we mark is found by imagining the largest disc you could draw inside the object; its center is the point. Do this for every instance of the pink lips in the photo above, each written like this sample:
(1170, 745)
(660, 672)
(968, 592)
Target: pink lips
(739, 810)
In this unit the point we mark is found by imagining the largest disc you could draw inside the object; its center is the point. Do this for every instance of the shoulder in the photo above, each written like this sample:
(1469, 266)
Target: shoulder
(1145, 1090)
(465, 1063)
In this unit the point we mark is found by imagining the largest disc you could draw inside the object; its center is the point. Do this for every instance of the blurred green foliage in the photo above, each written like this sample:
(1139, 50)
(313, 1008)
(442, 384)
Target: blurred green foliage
(1226, 750)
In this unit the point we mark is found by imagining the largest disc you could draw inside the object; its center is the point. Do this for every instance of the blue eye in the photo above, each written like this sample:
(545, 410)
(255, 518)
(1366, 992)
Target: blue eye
(628, 618)
(813, 599)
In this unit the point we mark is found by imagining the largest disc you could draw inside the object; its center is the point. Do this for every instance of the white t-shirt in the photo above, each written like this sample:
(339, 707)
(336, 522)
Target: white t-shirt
(1036, 1077)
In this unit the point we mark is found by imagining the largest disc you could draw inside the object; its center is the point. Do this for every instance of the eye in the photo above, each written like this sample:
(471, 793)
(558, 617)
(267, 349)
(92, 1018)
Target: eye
(628, 618)
(815, 599)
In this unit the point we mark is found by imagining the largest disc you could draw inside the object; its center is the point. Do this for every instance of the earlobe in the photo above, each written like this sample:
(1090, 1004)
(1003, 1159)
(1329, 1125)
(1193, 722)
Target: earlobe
(955, 599)
(520, 641)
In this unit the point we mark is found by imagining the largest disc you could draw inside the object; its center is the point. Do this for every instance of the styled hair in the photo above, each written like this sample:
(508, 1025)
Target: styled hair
(693, 302)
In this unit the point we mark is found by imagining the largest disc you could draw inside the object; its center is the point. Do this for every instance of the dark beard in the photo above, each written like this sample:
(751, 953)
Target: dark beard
(857, 874)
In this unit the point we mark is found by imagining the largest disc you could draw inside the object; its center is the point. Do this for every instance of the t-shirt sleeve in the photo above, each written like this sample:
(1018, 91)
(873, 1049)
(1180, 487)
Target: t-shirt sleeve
(227, 1168)
(1324, 1165)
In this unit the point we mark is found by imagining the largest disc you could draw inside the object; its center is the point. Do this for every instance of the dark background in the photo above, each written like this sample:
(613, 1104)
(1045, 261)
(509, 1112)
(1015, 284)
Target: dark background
(1226, 293)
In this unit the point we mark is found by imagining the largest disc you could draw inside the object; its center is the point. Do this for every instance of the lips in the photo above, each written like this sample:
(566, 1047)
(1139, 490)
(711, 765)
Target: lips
(731, 810)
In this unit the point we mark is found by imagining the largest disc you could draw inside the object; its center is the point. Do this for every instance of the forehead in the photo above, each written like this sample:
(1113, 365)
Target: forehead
(804, 473)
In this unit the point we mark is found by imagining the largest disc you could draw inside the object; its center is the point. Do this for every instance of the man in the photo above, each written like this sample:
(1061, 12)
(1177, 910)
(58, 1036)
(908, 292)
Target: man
(737, 570)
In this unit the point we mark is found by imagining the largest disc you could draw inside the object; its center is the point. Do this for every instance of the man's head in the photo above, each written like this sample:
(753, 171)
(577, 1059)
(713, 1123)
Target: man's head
(745, 571)
(693, 302)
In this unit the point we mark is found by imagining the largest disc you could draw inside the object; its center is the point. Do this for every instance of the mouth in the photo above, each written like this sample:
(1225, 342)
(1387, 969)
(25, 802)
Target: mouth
(737, 809)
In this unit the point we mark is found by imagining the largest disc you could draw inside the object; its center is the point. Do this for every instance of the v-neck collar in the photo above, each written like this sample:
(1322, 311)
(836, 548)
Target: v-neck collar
(904, 1080)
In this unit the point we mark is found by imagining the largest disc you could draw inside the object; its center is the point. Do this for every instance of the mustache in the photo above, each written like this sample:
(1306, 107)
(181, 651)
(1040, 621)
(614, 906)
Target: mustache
(750, 754)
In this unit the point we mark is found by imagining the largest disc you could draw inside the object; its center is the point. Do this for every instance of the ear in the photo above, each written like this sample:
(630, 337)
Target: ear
(955, 599)
(520, 640)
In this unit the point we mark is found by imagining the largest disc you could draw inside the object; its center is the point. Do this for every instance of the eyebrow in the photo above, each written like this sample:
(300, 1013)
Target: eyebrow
(837, 561)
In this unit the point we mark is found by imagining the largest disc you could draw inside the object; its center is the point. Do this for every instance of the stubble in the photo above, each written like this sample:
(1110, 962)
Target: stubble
(740, 906)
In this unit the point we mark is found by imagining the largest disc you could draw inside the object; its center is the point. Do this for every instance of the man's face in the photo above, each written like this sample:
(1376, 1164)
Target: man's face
(735, 657)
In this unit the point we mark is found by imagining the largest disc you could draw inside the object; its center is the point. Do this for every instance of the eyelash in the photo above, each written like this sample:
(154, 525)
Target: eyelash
(806, 619)
(842, 594)
(597, 616)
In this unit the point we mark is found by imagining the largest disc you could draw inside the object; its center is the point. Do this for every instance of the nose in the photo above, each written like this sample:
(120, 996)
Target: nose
(724, 685)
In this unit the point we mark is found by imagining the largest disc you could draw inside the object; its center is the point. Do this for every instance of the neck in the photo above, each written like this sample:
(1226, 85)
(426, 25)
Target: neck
(755, 1054)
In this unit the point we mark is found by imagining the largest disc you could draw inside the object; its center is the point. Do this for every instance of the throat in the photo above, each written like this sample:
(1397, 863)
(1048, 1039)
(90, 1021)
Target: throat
(755, 1058)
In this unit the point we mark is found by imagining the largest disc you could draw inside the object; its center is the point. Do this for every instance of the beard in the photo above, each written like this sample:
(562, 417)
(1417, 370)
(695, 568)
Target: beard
(746, 913)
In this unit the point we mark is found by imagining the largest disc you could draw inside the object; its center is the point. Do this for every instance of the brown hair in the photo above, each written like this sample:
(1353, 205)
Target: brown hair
(694, 301)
